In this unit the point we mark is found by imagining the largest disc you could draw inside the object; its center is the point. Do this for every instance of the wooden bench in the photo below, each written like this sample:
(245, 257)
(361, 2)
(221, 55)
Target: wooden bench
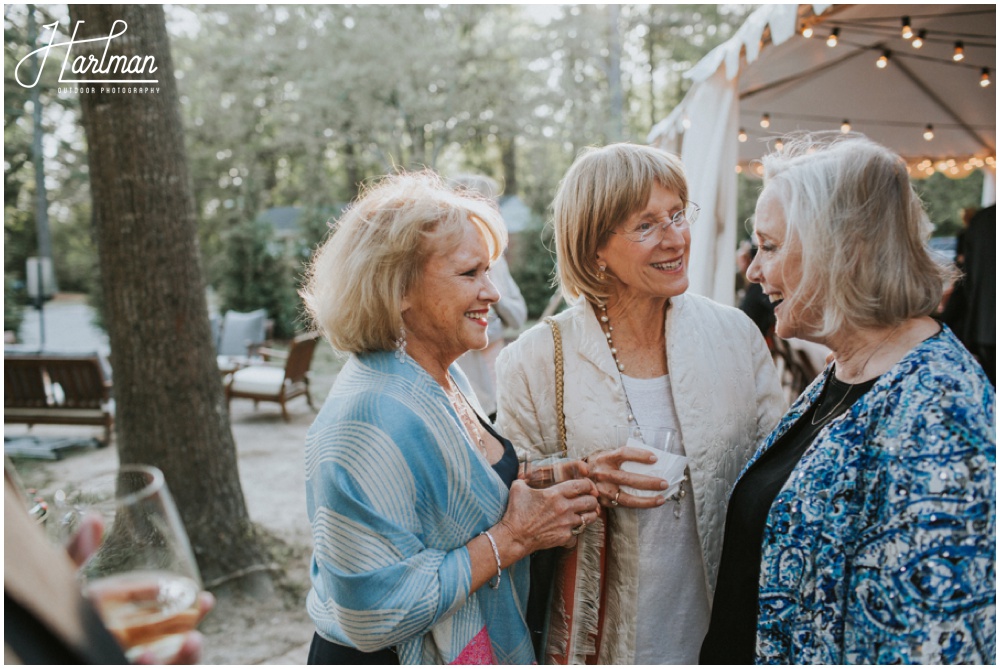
(57, 390)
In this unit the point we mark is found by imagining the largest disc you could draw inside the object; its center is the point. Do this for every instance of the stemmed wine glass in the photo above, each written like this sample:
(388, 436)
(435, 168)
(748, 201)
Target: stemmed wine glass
(143, 578)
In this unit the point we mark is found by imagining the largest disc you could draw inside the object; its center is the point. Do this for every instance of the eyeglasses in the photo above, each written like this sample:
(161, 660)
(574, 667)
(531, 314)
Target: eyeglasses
(682, 220)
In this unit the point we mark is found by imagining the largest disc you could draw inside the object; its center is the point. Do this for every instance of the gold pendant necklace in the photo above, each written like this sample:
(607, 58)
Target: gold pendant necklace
(466, 414)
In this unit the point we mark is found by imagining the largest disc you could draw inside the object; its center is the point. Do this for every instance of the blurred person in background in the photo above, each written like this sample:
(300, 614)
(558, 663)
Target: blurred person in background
(508, 313)
(971, 308)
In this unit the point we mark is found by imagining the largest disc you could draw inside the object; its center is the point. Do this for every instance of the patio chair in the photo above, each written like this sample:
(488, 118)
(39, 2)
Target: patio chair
(267, 383)
(242, 332)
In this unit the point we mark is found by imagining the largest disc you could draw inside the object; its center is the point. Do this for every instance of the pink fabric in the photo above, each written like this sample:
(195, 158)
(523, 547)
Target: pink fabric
(478, 651)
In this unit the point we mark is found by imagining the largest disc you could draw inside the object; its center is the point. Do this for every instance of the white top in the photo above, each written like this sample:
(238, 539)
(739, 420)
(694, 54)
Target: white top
(674, 610)
(728, 399)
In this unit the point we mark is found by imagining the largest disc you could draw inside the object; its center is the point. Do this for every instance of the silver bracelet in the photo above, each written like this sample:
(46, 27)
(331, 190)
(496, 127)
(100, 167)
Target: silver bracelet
(496, 554)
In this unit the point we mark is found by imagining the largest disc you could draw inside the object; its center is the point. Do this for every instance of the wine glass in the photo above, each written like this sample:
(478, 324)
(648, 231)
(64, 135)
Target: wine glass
(143, 578)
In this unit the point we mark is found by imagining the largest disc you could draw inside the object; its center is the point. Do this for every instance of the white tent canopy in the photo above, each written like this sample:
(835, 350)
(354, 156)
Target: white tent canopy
(771, 74)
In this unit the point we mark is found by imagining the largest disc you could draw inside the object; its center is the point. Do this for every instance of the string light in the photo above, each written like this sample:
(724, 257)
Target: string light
(984, 79)
(959, 51)
(907, 31)
(779, 144)
(845, 126)
(832, 39)
(742, 136)
(765, 120)
(929, 132)
(739, 169)
(807, 31)
(883, 60)
(918, 41)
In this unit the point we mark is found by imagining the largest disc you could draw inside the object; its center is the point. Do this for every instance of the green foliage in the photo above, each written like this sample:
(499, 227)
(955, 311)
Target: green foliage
(945, 198)
(532, 264)
(13, 299)
(255, 274)
(74, 255)
(65, 155)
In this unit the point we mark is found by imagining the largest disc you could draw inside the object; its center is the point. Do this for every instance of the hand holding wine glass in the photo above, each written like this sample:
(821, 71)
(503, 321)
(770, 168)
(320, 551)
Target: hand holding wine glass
(142, 579)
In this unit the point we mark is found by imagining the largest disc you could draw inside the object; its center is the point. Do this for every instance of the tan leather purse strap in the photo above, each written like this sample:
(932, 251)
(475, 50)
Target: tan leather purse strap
(560, 415)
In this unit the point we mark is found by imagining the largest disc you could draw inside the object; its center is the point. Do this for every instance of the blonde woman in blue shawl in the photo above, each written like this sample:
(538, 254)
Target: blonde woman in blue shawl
(419, 522)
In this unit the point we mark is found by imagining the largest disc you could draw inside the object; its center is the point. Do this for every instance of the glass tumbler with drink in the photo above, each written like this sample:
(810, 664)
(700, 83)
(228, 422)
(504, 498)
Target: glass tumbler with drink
(670, 464)
(547, 471)
(143, 578)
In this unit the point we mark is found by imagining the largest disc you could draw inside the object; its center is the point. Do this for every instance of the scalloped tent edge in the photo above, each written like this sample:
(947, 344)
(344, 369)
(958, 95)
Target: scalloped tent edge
(769, 68)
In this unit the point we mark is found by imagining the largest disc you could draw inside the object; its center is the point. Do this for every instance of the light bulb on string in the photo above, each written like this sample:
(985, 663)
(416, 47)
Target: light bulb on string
(929, 132)
(765, 121)
(959, 52)
(807, 31)
(907, 31)
(779, 144)
(984, 78)
(918, 41)
(883, 60)
(832, 39)
(742, 136)
(845, 126)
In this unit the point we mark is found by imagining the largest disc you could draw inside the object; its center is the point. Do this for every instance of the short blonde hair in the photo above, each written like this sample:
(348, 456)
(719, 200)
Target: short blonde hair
(863, 231)
(357, 279)
(602, 189)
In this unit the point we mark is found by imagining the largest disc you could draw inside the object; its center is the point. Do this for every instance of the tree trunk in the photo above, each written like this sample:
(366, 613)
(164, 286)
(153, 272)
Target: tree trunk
(170, 410)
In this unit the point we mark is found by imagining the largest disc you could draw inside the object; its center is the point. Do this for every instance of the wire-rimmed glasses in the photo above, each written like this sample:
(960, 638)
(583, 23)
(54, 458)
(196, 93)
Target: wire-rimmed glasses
(649, 231)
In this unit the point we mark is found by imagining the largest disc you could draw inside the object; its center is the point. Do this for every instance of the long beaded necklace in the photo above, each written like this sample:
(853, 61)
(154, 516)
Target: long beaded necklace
(465, 413)
(608, 329)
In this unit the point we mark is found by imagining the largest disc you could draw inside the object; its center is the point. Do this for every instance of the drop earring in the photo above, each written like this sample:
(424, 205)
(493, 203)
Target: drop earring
(401, 344)
(601, 274)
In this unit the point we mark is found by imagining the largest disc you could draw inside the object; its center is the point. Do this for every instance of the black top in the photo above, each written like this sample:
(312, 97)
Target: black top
(732, 632)
(326, 652)
(506, 467)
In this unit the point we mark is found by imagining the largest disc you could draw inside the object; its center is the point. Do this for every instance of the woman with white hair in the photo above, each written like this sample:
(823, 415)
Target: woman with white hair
(419, 525)
(864, 530)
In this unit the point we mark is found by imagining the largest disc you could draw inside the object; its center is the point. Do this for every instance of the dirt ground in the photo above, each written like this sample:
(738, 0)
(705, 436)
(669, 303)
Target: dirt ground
(240, 630)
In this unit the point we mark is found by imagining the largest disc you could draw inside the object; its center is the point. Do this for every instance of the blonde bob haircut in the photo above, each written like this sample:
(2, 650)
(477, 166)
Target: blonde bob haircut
(374, 255)
(862, 229)
(603, 188)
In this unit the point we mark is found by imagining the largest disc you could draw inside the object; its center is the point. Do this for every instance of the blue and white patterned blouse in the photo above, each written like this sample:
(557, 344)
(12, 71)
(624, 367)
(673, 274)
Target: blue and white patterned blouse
(881, 546)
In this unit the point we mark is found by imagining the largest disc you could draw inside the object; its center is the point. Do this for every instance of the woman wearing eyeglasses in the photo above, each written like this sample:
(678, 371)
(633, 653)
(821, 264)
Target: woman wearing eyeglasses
(639, 352)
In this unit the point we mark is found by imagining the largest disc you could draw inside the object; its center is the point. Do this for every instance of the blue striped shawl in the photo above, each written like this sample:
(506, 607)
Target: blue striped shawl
(395, 489)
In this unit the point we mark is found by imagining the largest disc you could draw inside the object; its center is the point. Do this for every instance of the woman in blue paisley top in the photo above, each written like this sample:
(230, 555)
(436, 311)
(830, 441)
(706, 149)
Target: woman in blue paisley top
(864, 529)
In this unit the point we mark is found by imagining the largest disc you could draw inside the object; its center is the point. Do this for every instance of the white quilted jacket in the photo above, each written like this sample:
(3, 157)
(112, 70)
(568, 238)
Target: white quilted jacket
(727, 396)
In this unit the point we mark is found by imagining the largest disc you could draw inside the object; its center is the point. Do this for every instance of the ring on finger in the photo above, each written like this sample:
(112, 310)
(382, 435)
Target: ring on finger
(614, 502)
(576, 531)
